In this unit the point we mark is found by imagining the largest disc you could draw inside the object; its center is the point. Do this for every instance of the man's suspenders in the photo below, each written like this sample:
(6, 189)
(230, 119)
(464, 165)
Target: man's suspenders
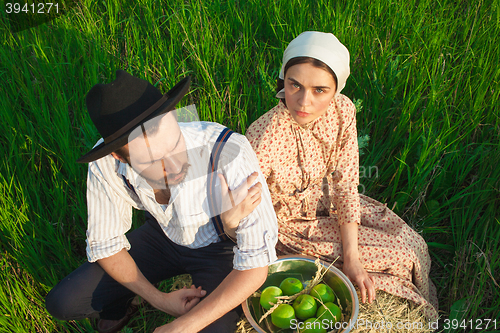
(211, 181)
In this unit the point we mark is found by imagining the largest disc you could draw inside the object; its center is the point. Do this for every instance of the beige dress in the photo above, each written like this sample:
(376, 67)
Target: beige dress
(313, 174)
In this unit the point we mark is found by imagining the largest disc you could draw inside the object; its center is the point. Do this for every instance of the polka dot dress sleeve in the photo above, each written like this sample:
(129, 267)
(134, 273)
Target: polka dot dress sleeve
(260, 136)
(345, 178)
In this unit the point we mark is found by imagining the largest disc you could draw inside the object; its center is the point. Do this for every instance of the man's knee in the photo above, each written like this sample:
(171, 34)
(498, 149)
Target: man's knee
(65, 304)
(58, 304)
(71, 298)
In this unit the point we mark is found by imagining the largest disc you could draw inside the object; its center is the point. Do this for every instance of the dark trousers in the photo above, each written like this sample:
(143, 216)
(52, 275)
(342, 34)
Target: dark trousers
(90, 292)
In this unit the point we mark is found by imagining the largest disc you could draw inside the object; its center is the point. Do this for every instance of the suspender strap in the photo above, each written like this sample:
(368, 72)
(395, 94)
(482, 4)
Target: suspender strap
(211, 181)
(130, 187)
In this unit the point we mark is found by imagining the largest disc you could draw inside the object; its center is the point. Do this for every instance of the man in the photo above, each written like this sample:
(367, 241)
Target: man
(149, 161)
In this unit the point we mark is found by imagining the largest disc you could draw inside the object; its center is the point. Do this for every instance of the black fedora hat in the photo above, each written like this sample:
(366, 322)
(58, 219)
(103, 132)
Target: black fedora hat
(117, 108)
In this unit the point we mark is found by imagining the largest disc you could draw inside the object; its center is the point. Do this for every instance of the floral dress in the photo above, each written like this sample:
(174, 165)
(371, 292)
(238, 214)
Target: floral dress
(312, 172)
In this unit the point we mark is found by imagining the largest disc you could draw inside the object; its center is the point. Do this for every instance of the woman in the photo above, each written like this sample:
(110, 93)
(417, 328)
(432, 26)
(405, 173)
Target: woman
(307, 149)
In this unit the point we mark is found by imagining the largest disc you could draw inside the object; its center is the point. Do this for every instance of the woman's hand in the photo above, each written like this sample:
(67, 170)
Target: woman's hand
(357, 274)
(240, 202)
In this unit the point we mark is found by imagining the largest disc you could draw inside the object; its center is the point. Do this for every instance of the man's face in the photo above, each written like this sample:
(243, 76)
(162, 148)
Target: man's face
(159, 154)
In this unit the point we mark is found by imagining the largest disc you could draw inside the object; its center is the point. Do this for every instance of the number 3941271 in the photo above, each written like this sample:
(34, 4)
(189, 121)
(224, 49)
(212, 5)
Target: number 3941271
(38, 8)
(478, 324)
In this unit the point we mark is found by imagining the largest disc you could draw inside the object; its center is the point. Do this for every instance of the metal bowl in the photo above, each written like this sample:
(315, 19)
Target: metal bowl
(304, 269)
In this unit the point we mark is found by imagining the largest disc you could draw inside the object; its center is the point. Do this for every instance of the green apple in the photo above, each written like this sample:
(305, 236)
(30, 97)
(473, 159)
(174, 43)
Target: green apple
(322, 292)
(313, 325)
(329, 311)
(283, 315)
(268, 297)
(305, 306)
(291, 286)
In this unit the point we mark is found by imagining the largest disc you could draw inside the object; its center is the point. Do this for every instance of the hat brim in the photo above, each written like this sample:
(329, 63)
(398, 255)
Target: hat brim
(175, 95)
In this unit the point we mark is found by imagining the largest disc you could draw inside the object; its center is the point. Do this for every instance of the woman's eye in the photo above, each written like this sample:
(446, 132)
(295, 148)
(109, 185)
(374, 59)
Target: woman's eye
(319, 90)
(295, 85)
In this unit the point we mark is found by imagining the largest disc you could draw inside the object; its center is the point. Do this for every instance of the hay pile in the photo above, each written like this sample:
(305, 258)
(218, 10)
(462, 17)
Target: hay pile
(400, 314)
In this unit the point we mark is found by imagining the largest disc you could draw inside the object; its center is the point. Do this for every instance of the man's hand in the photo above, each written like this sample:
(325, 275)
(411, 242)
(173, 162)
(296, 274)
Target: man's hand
(240, 202)
(179, 302)
(235, 288)
(123, 269)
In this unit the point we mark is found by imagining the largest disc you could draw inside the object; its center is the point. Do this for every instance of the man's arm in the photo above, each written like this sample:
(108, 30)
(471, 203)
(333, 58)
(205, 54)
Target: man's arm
(121, 267)
(235, 288)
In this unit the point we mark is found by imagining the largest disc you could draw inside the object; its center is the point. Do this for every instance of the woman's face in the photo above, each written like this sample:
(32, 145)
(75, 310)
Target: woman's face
(308, 92)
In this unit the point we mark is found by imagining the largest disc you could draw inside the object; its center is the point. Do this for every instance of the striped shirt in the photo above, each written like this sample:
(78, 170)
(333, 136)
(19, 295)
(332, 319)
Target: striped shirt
(186, 218)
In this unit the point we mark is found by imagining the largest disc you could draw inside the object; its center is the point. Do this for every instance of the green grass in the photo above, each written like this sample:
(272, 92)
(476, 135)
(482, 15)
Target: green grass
(426, 71)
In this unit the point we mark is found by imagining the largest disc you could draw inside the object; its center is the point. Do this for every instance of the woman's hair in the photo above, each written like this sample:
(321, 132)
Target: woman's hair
(280, 84)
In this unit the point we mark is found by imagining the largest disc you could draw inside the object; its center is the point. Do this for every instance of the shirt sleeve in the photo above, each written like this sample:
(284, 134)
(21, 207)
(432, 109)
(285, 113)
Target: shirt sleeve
(344, 181)
(109, 214)
(257, 234)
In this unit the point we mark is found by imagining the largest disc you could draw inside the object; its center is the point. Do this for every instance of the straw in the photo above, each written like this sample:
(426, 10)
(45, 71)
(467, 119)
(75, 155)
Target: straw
(400, 314)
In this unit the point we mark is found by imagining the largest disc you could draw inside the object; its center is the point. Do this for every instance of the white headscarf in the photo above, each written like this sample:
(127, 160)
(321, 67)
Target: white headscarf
(322, 46)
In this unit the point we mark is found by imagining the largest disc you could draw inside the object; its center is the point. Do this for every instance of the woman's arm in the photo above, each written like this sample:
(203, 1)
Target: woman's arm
(345, 197)
(353, 267)
(259, 134)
